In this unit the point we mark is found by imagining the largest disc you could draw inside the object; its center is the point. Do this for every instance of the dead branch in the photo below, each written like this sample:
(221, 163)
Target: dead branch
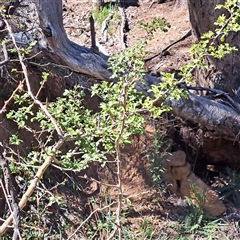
(33, 185)
(105, 25)
(93, 35)
(11, 197)
(210, 114)
(56, 43)
(36, 101)
(123, 24)
(188, 34)
(20, 85)
(218, 94)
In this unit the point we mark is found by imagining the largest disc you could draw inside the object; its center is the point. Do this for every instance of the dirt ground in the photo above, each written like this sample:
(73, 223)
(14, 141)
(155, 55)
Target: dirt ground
(148, 204)
(77, 26)
(153, 210)
(136, 177)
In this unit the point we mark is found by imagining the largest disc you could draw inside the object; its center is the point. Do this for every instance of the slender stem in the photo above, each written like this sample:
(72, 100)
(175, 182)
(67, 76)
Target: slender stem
(89, 217)
(118, 163)
(33, 185)
(50, 157)
(36, 101)
(11, 97)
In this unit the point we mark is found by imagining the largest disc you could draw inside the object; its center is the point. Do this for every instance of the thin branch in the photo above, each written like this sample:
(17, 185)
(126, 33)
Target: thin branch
(6, 197)
(123, 96)
(98, 182)
(36, 101)
(5, 53)
(11, 194)
(188, 34)
(33, 185)
(53, 64)
(90, 215)
(20, 85)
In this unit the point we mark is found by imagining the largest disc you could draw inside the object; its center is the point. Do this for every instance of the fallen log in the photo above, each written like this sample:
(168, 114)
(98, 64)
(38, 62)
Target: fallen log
(213, 115)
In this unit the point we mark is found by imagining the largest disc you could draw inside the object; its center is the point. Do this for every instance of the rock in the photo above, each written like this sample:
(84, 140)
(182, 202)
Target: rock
(178, 173)
(182, 172)
(177, 158)
(201, 195)
(170, 180)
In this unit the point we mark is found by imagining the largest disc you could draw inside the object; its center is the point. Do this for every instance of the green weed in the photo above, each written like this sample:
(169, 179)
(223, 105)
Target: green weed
(159, 147)
(154, 25)
(230, 188)
(100, 15)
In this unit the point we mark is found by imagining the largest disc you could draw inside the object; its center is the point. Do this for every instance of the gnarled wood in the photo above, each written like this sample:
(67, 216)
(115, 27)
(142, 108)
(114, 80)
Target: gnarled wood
(210, 114)
(55, 40)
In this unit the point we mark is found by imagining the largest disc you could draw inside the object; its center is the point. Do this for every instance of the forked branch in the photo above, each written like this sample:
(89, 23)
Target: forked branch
(51, 157)
(33, 185)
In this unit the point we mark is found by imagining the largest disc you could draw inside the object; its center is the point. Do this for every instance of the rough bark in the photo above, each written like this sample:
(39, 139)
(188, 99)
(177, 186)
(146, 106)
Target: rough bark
(56, 42)
(210, 114)
(222, 74)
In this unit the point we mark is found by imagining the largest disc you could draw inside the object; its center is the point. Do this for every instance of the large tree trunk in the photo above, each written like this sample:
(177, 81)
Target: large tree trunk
(222, 74)
(216, 117)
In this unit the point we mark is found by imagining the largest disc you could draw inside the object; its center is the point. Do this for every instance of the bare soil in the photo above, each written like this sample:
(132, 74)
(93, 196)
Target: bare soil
(148, 203)
(150, 206)
(78, 27)
(156, 205)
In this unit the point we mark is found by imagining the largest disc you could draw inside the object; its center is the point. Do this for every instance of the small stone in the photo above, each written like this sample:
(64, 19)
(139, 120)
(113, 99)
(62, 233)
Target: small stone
(178, 173)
